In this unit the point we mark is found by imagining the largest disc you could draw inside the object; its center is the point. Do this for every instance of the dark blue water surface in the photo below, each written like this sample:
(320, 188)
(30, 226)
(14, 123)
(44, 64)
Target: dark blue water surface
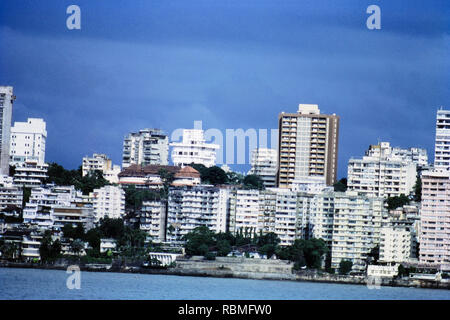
(21, 284)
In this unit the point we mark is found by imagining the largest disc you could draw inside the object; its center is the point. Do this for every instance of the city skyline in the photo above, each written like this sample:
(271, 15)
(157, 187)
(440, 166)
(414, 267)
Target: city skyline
(228, 74)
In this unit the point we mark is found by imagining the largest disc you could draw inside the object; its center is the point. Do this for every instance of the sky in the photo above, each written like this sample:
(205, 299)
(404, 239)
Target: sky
(231, 64)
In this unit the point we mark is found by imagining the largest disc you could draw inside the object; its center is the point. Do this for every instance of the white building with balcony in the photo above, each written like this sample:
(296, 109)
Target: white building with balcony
(193, 149)
(146, 147)
(396, 244)
(30, 173)
(381, 173)
(28, 141)
(192, 207)
(153, 220)
(101, 162)
(264, 164)
(108, 201)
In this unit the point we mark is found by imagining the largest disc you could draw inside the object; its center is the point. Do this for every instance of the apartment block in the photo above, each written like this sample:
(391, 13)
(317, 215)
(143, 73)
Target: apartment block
(435, 219)
(396, 244)
(153, 220)
(308, 145)
(264, 164)
(190, 207)
(380, 173)
(356, 228)
(442, 143)
(30, 173)
(108, 201)
(7, 98)
(28, 141)
(101, 162)
(194, 149)
(146, 147)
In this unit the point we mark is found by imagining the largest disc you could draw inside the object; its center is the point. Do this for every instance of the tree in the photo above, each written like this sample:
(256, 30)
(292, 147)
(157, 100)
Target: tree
(77, 246)
(235, 178)
(253, 181)
(111, 228)
(374, 254)
(314, 250)
(418, 190)
(199, 241)
(135, 197)
(223, 248)
(396, 202)
(341, 185)
(345, 266)
(167, 178)
(212, 175)
(49, 249)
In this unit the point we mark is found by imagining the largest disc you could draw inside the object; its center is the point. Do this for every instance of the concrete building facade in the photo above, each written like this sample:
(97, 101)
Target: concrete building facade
(28, 141)
(146, 147)
(7, 98)
(308, 145)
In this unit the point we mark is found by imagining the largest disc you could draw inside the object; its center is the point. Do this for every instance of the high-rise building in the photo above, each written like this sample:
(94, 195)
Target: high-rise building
(435, 219)
(108, 201)
(194, 149)
(192, 207)
(148, 146)
(264, 164)
(308, 145)
(380, 173)
(442, 144)
(6, 102)
(28, 141)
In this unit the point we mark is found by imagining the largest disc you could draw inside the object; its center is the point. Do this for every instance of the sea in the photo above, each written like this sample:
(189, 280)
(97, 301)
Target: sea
(31, 284)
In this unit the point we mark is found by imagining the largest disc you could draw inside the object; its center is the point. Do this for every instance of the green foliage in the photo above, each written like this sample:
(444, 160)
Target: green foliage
(9, 250)
(167, 178)
(396, 202)
(374, 254)
(199, 241)
(62, 177)
(223, 248)
(76, 246)
(135, 197)
(307, 253)
(111, 228)
(71, 232)
(418, 190)
(210, 256)
(345, 266)
(212, 175)
(267, 244)
(131, 243)
(341, 185)
(253, 181)
(49, 249)
(235, 178)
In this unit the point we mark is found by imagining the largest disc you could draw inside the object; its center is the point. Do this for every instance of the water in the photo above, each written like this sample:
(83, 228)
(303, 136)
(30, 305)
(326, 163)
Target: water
(20, 284)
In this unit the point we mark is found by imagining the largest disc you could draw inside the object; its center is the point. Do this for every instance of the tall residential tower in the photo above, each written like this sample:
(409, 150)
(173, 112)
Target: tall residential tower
(308, 145)
(6, 102)
(146, 147)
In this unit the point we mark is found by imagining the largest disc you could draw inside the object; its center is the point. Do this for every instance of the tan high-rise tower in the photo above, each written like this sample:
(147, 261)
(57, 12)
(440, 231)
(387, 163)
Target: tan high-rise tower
(308, 145)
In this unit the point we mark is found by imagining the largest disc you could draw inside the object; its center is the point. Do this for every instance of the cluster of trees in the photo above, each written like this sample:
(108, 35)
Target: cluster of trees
(341, 185)
(215, 175)
(131, 242)
(397, 202)
(304, 253)
(49, 249)
(62, 177)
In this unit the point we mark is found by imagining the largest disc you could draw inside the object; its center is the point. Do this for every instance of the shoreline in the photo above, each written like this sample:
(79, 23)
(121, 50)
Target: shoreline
(296, 277)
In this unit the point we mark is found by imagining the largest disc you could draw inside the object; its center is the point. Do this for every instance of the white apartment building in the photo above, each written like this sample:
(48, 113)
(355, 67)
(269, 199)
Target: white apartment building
(356, 228)
(30, 173)
(308, 145)
(7, 98)
(245, 212)
(442, 143)
(28, 141)
(38, 210)
(396, 244)
(153, 220)
(146, 147)
(193, 149)
(381, 174)
(264, 163)
(10, 196)
(108, 201)
(102, 163)
(435, 219)
(190, 207)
